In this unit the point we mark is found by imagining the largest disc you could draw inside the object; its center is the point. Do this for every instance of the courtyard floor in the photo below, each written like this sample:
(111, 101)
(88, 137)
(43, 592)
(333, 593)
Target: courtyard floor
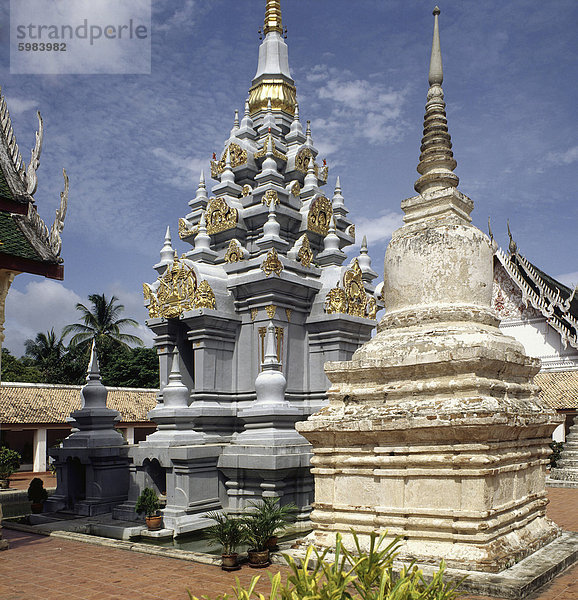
(37, 567)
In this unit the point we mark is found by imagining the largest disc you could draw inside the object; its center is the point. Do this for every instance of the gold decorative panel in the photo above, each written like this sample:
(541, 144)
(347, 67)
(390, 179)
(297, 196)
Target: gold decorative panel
(351, 299)
(270, 196)
(234, 252)
(238, 157)
(319, 217)
(271, 310)
(305, 255)
(269, 143)
(302, 160)
(185, 229)
(272, 264)
(247, 190)
(177, 292)
(220, 216)
(254, 313)
(296, 189)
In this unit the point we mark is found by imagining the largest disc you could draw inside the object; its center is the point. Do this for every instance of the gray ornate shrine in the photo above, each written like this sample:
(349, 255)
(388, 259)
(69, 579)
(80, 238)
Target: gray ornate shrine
(245, 320)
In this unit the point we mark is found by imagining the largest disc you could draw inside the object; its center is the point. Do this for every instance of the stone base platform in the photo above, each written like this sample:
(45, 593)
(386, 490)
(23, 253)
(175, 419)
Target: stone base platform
(563, 483)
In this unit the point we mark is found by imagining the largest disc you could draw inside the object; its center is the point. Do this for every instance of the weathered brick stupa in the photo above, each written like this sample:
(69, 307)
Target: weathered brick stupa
(266, 252)
(434, 430)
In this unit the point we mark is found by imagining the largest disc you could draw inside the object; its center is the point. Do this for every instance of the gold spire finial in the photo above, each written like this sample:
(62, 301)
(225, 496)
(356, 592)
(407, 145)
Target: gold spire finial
(273, 17)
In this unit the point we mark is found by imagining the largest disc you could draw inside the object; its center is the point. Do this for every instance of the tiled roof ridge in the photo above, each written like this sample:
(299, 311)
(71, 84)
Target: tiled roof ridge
(23, 384)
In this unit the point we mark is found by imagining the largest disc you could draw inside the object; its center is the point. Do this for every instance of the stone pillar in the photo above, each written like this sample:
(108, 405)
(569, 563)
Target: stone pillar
(39, 450)
(434, 430)
(130, 434)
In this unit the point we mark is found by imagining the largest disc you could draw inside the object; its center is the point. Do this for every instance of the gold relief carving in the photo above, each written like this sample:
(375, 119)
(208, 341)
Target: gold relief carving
(185, 230)
(234, 252)
(336, 301)
(371, 307)
(247, 190)
(269, 141)
(279, 333)
(270, 196)
(153, 305)
(204, 296)
(254, 313)
(352, 298)
(220, 216)
(271, 310)
(288, 312)
(351, 231)
(175, 294)
(272, 264)
(305, 255)
(296, 189)
(319, 217)
(302, 160)
(238, 157)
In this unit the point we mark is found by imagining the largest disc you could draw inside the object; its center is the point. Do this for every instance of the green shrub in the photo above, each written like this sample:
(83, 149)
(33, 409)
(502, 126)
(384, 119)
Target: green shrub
(360, 575)
(228, 531)
(147, 502)
(36, 491)
(9, 462)
(557, 448)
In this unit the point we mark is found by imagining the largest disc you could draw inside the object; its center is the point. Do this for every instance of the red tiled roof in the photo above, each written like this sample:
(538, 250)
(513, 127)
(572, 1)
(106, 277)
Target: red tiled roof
(28, 403)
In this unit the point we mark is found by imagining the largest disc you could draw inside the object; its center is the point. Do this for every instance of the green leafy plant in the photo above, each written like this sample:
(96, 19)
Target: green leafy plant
(228, 531)
(360, 575)
(9, 462)
(557, 448)
(147, 502)
(36, 492)
(267, 519)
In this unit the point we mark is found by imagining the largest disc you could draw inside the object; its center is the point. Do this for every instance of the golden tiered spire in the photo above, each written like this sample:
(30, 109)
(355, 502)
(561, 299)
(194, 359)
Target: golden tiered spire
(273, 17)
(273, 80)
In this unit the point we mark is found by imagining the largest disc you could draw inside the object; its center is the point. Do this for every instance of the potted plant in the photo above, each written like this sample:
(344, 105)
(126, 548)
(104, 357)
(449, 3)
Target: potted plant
(275, 516)
(148, 503)
(230, 533)
(9, 464)
(257, 533)
(37, 495)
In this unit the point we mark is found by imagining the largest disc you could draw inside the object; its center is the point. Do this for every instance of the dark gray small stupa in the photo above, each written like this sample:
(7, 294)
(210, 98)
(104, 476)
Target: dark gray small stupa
(92, 462)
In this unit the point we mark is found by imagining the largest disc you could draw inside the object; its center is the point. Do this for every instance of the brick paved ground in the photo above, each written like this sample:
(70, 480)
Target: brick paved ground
(20, 481)
(47, 568)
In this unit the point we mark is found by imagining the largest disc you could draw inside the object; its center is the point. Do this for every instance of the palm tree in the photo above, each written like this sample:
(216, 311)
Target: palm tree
(101, 323)
(46, 347)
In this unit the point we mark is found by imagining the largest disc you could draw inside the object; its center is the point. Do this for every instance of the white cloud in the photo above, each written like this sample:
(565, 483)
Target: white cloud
(379, 228)
(183, 172)
(18, 106)
(565, 158)
(569, 279)
(42, 306)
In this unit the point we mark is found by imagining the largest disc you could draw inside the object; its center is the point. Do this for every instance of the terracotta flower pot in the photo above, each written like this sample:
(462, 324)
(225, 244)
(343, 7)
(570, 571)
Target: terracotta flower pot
(230, 562)
(154, 523)
(36, 507)
(272, 543)
(258, 558)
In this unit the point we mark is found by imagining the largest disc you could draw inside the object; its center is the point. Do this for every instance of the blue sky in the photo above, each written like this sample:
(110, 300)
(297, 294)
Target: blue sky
(133, 145)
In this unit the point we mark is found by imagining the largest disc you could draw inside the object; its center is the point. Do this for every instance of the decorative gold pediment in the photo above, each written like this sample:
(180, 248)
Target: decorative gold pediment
(269, 142)
(270, 196)
(220, 216)
(351, 299)
(302, 160)
(351, 231)
(319, 217)
(305, 255)
(272, 264)
(177, 292)
(271, 310)
(185, 229)
(234, 252)
(204, 296)
(238, 157)
(246, 191)
(296, 189)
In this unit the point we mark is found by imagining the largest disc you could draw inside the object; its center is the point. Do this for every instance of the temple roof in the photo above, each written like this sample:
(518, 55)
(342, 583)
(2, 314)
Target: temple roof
(26, 244)
(559, 390)
(557, 303)
(31, 403)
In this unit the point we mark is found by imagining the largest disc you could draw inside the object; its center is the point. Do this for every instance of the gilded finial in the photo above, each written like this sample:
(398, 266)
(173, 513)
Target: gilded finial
(436, 73)
(273, 17)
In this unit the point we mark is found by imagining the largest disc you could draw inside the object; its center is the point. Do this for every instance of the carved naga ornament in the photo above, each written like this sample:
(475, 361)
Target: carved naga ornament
(351, 299)
(177, 292)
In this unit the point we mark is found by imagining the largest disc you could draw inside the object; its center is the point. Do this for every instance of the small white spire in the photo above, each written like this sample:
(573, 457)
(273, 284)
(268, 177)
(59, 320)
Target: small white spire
(338, 201)
(167, 250)
(331, 241)
(364, 262)
(227, 176)
(247, 122)
(93, 367)
(270, 358)
(271, 228)
(308, 141)
(203, 239)
(296, 126)
(436, 73)
(235, 127)
(310, 180)
(269, 164)
(175, 393)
